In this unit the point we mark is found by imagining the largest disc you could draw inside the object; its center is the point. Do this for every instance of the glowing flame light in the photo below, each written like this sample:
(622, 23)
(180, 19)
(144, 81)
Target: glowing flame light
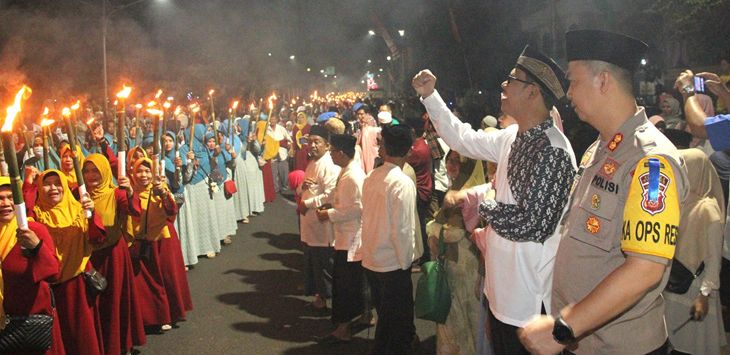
(154, 111)
(271, 101)
(166, 105)
(138, 106)
(12, 111)
(45, 122)
(90, 121)
(235, 105)
(76, 105)
(124, 94)
(211, 92)
(116, 102)
(158, 94)
(178, 110)
(151, 104)
(66, 112)
(252, 107)
(195, 108)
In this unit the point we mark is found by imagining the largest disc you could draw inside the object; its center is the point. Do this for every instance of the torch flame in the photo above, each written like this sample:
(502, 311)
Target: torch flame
(151, 104)
(271, 101)
(177, 110)
(158, 94)
(235, 105)
(116, 102)
(252, 107)
(211, 92)
(66, 112)
(45, 122)
(166, 105)
(124, 94)
(45, 111)
(154, 111)
(293, 102)
(12, 111)
(138, 106)
(195, 108)
(76, 105)
(90, 120)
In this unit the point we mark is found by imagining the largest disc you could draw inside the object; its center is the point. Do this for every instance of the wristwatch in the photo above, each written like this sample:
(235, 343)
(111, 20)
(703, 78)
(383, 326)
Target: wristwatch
(689, 90)
(562, 332)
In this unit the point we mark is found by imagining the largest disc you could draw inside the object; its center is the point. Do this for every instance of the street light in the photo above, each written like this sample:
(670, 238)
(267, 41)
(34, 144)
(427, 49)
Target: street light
(292, 57)
(371, 33)
(402, 33)
(104, 24)
(369, 61)
(388, 58)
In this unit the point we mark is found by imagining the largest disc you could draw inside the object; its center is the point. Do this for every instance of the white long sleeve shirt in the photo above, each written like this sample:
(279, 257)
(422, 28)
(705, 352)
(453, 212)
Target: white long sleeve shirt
(347, 210)
(388, 220)
(324, 172)
(518, 278)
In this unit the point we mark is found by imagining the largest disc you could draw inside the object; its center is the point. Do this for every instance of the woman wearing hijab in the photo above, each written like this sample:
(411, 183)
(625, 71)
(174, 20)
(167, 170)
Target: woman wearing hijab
(170, 249)
(121, 318)
(254, 177)
(67, 163)
(240, 199)
(156, 205)
(29, 265)
(671, 113)
(220, 159)
(300, 148)
(73, 235)
(699, 243)
(270, 148)
(709, 108)
(458, 334)
(198, 194)
(177, 183)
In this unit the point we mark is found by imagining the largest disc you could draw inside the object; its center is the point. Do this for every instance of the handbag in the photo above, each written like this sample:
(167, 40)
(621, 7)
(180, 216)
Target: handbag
(95, 282)
(229, 188)
(681, 278)
(433, 295)
(29, 333)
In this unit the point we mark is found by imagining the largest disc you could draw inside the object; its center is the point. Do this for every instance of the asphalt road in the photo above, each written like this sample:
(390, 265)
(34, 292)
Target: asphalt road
(249, 299)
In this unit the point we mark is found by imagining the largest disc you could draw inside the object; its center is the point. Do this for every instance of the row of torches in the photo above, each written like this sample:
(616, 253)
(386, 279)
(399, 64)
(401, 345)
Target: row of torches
(69, 117)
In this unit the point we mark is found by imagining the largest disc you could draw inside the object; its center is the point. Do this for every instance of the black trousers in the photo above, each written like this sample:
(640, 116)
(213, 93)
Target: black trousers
(422, 208)
(504, 337)
(347, 295)
(392, 295)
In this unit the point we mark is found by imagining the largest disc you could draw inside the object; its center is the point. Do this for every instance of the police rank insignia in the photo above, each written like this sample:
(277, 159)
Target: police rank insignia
(615, 141)
(595, 201)
(593, 225)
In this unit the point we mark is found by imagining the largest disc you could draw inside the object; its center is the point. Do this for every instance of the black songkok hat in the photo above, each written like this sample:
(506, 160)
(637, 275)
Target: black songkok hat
(344, 143)
(318, 130)
(550, 76)
(615, 48)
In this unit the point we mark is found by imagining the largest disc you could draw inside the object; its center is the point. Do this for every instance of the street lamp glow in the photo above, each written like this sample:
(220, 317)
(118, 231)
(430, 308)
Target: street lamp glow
(321, 70)
(269, 54)
(643, 61)
(369, 61)
(388, 58)
(371, 32)
(381, 69)
(402, 33)
(309, 69)
(325, 75)
(292, 57)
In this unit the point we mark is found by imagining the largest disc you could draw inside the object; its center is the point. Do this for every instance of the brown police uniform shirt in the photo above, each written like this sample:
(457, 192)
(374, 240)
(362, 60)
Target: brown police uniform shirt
(611, 215)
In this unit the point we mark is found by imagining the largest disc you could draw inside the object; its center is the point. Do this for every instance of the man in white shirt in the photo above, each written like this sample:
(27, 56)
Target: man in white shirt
(388, 243)
(534, 172)
(347, 273)
(320, 178)
(280, 164)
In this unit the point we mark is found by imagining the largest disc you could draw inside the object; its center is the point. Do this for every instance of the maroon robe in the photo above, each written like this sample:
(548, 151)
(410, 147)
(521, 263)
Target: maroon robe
(174, 276)
(269, 191)
(26, 283)
(121, 317)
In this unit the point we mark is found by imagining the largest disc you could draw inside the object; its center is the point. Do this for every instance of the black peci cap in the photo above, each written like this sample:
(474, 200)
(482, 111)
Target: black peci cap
(615, 48)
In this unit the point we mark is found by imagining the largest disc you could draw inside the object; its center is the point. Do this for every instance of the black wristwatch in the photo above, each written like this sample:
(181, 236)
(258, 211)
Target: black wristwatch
(562, 332)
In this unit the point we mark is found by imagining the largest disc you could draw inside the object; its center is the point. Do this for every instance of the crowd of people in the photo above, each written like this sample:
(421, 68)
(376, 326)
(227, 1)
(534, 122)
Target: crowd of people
(543, 252)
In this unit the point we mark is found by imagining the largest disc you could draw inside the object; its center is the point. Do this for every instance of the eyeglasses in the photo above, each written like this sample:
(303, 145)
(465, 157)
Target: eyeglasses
(511, 77)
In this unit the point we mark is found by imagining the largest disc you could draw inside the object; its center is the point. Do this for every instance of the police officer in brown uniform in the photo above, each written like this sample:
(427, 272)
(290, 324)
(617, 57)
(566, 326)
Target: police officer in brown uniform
(619, 235)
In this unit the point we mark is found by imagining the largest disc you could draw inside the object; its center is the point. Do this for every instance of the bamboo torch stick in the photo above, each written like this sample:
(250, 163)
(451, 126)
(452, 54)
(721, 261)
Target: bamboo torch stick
(72, 145)
(8, 141)
(121, 144)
